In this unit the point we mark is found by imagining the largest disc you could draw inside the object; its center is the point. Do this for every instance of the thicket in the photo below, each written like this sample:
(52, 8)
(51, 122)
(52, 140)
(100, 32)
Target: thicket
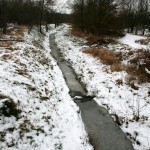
(111, 17)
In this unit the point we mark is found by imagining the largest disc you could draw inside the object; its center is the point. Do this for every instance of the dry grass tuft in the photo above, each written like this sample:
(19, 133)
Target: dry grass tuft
(6, 43)
(16, 32)
(117, 67)
(77, 32)
(22, 29)
(106, 56)
(91, 39)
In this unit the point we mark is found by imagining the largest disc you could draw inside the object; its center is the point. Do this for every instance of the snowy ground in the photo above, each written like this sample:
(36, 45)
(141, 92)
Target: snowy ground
(131, 39)
(36, 111)
(110, 88)
(63, 6)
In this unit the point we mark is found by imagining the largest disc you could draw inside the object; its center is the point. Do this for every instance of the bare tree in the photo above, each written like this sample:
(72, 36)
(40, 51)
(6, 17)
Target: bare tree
(97, 16)
(44, 12)
(25, 12)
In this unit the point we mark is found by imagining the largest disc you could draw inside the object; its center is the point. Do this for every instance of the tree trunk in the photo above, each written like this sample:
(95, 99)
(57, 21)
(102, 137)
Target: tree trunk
(4, 28)
(131, 30)
(46, 26)
(143, 32)
(41, 15)
(136, 30)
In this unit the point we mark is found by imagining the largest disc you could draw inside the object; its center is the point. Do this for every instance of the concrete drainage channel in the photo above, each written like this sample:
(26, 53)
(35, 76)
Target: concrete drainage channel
(103, 132)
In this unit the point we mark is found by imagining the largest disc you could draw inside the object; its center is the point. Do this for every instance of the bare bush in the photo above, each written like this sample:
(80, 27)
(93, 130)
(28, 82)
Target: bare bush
(139, 65)
(134, 107)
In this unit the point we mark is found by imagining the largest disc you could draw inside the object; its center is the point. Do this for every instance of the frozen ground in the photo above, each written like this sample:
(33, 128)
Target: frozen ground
(36, 111)
(110, 88)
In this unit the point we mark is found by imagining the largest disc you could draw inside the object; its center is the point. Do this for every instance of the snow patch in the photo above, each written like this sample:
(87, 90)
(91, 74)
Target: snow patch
(131, 39)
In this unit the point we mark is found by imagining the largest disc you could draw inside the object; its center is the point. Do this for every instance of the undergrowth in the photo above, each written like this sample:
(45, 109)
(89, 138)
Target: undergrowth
(136, 67)
(77, 32)
(92, 38)
(13, 35)
(106, 56)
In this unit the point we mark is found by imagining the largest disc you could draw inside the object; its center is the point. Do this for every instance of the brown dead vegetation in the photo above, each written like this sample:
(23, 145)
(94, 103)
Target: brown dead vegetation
(99, 40)
(17, 32)
(117, 67)
(13, 35)
(106, 56)
(136, 68)
(91, 38)
(6, 43)
(77, 32)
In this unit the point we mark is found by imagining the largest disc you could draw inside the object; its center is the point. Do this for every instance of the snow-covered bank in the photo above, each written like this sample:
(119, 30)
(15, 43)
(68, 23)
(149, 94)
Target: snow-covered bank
(131, 39)
(110, 88)
(32, 85)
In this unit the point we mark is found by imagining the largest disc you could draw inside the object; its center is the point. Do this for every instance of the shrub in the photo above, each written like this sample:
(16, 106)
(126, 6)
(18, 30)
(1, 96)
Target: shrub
(77, 32)
(91, 39)
(138, 65)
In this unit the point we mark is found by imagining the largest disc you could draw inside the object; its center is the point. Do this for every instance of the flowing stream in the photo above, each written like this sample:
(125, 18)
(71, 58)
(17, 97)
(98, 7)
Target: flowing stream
(103, 132)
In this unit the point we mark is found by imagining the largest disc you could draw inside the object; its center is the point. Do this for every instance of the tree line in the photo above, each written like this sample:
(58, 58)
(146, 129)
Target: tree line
(26, 12)
(109, 16)
(91, 16)
(135, 15)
